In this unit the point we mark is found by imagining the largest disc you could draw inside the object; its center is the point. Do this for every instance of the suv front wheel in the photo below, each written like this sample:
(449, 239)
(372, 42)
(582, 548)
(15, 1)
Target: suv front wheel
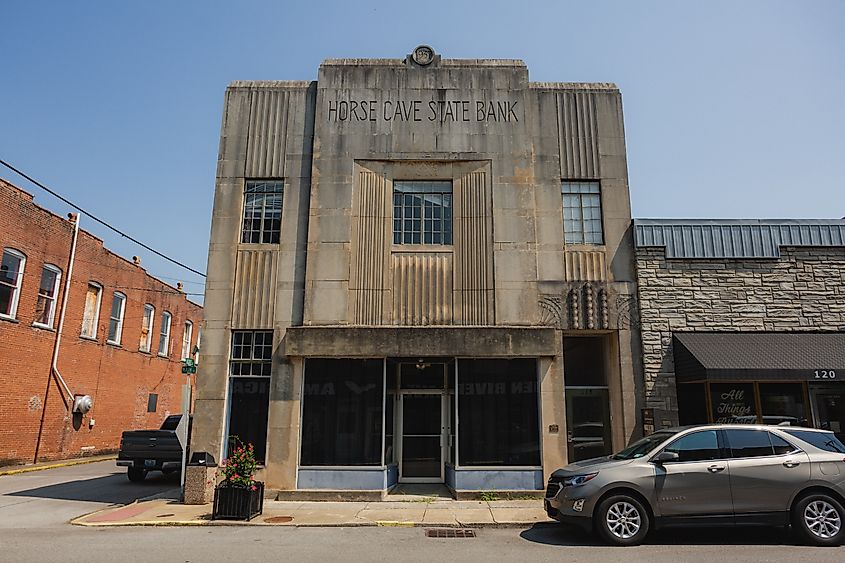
(818, 519)
(622, 520)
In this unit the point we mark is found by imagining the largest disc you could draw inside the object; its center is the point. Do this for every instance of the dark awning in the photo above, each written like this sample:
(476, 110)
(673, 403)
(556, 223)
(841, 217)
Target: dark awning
(759, 356)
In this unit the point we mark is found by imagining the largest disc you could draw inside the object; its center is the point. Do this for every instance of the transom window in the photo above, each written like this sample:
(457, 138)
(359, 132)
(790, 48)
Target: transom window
(11, 272)
(582, 213)
(45, 307)
(262, 211)
(422, 212)
(252, 352)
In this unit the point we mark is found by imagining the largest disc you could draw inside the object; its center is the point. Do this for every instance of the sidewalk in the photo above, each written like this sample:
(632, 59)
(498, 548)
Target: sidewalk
(17, 469)
(433, 512)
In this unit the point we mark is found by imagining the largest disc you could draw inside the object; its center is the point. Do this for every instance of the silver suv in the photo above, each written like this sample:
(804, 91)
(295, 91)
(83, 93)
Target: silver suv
(714, 474)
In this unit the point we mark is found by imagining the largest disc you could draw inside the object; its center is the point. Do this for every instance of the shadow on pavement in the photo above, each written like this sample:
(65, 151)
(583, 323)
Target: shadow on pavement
(112, 489)
(559, 534)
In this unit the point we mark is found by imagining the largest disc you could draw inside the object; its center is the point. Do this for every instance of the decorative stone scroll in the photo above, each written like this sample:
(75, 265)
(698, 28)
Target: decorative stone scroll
(588, 306)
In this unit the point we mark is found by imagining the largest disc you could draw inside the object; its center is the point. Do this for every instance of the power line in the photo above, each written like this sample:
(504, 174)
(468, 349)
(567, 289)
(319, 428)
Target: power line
(98, 220)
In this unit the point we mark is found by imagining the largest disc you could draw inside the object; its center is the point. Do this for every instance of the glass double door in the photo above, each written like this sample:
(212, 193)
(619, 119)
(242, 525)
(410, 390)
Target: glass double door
(424, 434)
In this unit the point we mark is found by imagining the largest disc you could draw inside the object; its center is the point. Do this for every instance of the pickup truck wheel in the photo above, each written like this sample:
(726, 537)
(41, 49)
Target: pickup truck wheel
(136, 474)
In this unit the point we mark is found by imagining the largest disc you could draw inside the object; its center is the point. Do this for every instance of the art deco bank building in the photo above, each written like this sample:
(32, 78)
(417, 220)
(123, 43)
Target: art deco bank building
(421, 270)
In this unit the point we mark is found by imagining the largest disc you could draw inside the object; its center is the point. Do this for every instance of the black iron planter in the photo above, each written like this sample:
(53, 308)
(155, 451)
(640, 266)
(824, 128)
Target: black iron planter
(238, 502)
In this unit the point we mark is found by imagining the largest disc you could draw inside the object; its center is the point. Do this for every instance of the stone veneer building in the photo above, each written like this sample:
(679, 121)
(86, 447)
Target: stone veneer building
(743, 320)
(420, 270)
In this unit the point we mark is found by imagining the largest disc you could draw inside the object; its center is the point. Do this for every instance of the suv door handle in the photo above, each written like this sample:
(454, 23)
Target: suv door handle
(716, 468)
(791, 463)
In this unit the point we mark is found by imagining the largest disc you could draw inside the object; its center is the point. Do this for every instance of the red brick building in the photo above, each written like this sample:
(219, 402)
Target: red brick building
(122, 341)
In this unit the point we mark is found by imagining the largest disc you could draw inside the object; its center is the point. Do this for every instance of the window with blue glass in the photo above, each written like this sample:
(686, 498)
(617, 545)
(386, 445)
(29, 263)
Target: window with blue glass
(582, 222)
(422, 212)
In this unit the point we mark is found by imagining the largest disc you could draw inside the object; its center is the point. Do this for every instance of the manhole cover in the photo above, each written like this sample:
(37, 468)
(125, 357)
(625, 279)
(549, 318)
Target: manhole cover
(278, 519)
(164, 515)
(449, 533)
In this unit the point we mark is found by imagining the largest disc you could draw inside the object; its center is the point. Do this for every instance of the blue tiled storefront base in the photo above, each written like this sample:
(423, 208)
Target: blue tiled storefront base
(467, 479)
(380, 478)
(347, 479)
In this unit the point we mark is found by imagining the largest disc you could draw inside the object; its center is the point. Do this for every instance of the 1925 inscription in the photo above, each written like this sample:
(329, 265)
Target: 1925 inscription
(439, 111)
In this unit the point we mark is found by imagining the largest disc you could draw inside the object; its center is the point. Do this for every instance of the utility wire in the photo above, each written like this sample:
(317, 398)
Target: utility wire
(95, 218)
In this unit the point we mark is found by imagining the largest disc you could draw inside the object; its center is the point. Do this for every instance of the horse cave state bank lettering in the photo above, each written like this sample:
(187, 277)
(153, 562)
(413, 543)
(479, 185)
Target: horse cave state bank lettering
(424, 270)
(419, 110)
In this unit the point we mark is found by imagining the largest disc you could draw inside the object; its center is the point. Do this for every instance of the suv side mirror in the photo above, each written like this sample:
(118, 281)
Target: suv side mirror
(664, 456)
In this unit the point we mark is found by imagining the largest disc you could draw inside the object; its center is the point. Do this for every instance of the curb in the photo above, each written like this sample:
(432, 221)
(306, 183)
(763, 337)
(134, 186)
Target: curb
(66, 463)
(373, 524)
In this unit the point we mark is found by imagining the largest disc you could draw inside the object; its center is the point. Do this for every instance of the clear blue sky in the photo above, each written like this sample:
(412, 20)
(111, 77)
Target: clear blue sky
(732, 109)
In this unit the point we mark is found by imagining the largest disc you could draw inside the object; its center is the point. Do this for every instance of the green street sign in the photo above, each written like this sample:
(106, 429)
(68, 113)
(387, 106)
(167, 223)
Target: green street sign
(189, 362)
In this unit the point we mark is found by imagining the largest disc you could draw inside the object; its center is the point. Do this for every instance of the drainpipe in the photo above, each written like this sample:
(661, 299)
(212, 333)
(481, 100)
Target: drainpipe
(54, 370)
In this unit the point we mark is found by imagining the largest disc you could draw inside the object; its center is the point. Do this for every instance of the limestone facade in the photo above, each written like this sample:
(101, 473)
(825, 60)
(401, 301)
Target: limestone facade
(338, 285)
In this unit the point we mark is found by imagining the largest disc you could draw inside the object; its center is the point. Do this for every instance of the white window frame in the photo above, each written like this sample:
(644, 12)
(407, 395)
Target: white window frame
(52, 301)
(164, 334)
(95, 322)
(119, 318)
(16, 288)
(186, 340)
(198, 346)
(146, 343)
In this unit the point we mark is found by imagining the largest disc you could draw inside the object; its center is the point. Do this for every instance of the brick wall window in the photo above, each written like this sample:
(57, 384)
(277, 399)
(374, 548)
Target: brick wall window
(48, 290)
(262, 211)
(422, 212)
(249, 387)
(152, 402)
(164, 334)
(582, 221)
(186, 339)
(11, 273)
(118, 307)
(146, 343)
(91, 313)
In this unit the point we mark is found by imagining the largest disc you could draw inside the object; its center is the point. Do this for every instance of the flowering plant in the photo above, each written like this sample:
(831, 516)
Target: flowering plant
(239, 468)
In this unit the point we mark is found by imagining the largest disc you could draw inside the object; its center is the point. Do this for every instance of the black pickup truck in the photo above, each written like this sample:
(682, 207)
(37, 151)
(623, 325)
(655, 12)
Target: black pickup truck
(142, 451)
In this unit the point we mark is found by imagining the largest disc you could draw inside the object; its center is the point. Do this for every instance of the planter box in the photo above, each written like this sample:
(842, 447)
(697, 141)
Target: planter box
(238, 503)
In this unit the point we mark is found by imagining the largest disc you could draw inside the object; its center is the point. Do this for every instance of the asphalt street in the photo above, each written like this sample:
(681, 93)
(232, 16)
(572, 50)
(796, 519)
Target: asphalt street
(50, 498)
(35, 508)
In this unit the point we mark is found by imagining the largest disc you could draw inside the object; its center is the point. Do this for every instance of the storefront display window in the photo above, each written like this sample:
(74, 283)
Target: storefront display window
(498, 415)
(783, 403)
(733, 403)
(342, 412)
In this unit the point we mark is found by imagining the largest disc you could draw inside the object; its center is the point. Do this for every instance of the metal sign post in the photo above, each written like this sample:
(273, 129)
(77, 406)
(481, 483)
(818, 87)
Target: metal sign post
(182, 431)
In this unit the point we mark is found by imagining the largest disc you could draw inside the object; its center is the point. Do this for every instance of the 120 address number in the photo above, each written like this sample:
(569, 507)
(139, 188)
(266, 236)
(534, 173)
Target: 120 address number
(824, 374)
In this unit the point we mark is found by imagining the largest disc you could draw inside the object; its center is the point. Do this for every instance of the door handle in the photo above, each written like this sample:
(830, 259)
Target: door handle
(716, 468)
(791, 463)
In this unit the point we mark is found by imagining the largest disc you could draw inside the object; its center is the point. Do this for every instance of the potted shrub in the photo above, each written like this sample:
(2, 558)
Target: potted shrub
(238, 496)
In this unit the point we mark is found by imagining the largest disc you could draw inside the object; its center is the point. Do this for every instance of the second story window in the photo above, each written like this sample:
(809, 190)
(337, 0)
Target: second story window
(147, 328)
(118, 307)
(582, 221)
(422, 212)
(262, 212)
(186, 339)
(164, 335)
(48, 290)
(91, 313)
(11, 272)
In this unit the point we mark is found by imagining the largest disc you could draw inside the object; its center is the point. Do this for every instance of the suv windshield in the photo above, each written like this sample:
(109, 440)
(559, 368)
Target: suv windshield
(643, 446)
